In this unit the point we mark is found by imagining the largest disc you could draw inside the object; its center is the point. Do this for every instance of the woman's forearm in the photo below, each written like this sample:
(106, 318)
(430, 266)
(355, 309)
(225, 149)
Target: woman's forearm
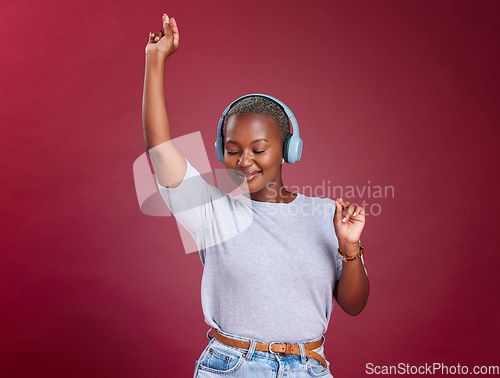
(156, 125)
(353, 287)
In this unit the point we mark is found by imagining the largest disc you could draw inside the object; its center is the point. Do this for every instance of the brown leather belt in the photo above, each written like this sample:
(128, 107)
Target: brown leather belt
(286, 348)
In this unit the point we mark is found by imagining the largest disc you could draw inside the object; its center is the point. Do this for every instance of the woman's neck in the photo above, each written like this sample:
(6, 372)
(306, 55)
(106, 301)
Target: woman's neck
(275, 193)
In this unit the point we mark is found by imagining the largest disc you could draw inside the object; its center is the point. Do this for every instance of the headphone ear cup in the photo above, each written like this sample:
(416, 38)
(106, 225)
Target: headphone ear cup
(298, 149)
(293, 149)
(219, 148)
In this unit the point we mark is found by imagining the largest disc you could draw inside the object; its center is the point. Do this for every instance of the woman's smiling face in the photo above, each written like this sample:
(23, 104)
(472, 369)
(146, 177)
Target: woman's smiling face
(253, 144)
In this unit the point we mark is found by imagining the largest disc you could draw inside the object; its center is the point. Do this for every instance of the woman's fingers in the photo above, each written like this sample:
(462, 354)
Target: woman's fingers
(175, 31)
(349, 210)
(155, 36)
(166, 24)
(358, 211)
(345, 205)
(343, 202)
(338, 212)
(353, 211)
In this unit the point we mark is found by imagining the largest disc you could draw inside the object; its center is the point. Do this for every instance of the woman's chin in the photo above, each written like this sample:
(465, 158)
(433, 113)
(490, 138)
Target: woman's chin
(250, 187)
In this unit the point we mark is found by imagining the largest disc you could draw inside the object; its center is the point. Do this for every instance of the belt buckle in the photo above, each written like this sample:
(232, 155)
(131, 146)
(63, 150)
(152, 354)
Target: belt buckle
(270, 347)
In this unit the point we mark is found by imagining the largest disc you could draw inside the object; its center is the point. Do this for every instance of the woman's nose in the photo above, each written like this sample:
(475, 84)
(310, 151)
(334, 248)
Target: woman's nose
(245, 159)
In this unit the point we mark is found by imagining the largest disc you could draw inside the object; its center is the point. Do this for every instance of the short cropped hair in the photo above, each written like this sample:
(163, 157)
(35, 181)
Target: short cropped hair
(261, 105)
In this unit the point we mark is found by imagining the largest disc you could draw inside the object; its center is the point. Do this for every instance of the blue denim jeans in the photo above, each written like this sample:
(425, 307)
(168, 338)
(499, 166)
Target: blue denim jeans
(219, 359)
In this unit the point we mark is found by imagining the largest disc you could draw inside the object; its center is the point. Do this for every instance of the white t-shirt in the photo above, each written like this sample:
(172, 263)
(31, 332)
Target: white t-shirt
(269, 268)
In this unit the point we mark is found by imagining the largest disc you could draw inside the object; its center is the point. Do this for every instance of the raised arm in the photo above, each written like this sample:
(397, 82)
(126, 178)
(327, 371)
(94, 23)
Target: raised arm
(168, 162)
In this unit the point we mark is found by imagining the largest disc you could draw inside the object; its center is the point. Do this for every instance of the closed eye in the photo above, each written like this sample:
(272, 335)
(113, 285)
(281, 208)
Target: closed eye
(257, 152)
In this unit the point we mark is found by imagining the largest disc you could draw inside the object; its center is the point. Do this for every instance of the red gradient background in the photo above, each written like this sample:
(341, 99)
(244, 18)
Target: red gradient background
(397, 93)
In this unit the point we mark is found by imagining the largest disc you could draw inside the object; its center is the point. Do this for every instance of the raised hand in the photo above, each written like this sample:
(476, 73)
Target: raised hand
(164, 42)
(349, 220)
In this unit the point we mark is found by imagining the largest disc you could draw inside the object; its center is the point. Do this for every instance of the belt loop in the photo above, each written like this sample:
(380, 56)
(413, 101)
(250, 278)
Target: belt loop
(302, 353)
(251, 350)
(208, 336)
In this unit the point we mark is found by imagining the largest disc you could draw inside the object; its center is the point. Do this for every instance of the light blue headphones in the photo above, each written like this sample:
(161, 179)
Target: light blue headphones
(292, 148)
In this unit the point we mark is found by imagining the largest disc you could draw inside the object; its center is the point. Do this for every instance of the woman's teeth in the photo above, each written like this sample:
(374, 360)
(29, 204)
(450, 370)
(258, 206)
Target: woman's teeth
(250, 177)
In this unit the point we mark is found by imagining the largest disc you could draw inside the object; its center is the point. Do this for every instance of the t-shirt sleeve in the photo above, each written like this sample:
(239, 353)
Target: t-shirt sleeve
(192, 201)
(337, 259)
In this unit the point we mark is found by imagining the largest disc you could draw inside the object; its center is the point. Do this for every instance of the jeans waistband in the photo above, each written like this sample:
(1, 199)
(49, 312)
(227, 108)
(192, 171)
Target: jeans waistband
(289, 347)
